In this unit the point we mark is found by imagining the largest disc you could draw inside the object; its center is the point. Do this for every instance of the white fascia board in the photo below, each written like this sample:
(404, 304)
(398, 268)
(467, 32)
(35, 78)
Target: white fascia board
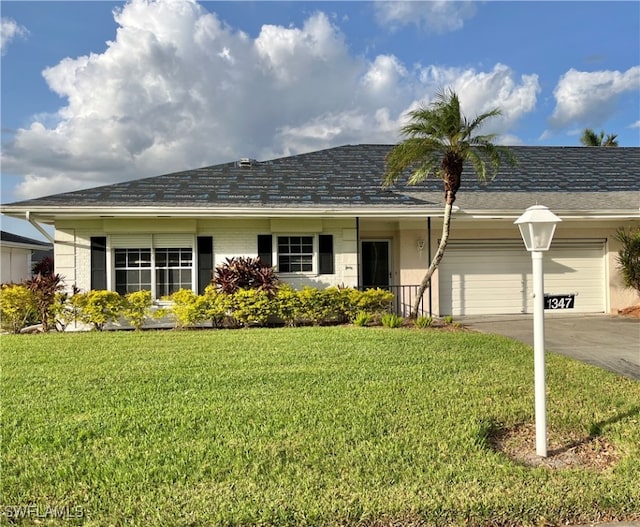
(29, 246)
(49, 214)
(566, 214)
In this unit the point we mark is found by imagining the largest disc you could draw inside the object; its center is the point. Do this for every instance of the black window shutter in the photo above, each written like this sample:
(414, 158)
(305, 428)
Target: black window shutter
(265, 249)
(325, 248)
(98, 263)
(205, 262)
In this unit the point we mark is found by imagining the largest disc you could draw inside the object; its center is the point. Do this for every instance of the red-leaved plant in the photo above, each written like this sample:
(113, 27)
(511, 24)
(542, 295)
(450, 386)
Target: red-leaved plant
(245, 273)
(44, 289)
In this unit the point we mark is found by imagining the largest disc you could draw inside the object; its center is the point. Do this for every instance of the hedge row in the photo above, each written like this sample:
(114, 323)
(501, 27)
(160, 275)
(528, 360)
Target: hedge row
(245, 307)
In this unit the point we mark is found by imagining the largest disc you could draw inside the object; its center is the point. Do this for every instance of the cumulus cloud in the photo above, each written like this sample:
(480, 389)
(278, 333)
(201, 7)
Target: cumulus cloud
(483, 91)
(437, 16)
(10, 29)
(178, 88)
(589, 98)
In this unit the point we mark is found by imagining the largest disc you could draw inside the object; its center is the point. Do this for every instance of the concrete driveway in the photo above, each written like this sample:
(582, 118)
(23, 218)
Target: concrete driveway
(610, 342)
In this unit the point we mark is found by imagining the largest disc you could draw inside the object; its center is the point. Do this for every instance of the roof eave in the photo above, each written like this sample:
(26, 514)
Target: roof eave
(573, 214)
(26, 246)
(50, 214)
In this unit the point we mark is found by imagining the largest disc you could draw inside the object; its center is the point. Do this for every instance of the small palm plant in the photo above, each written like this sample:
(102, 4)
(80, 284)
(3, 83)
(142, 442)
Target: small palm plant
(629, 257)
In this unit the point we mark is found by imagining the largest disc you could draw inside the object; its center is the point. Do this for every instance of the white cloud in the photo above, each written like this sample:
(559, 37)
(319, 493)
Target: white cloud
(10, 29)
(177, 89)
(635, 125)
(437, 16)
(384, 77)
(509, 140)
(589, 98)
(482, 91)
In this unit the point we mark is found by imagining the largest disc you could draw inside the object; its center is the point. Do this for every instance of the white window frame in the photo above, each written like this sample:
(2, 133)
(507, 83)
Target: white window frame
(138, 269)
(168, 268)
(314, 253)
(152, 243)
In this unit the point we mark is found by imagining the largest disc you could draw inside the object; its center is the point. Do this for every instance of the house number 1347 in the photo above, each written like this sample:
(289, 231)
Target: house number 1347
(559, 301)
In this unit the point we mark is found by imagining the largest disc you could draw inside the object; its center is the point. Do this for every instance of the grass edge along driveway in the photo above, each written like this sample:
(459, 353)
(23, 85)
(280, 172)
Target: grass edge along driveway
(302, 426)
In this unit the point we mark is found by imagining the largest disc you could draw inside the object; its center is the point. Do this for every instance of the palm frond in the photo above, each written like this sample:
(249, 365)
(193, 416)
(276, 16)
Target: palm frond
(420, 153)
(440, 131)
(480, 119)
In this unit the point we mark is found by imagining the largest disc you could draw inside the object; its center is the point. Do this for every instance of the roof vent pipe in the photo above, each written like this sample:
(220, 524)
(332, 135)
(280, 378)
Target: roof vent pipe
(246, 162)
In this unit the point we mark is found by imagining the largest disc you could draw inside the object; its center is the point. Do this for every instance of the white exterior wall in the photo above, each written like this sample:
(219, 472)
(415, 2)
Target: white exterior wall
(72, 252)
(65, 258)
(238, 237)
(15, 265)
(231, 238)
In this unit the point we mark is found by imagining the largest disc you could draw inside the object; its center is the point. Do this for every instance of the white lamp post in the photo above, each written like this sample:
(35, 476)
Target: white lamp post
(537, 226)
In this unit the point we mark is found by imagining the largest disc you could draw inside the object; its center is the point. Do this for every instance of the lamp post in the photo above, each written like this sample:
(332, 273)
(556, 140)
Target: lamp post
(537, 226)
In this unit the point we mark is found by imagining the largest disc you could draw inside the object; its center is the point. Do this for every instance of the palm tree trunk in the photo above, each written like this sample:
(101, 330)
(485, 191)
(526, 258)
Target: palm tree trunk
(426, 281)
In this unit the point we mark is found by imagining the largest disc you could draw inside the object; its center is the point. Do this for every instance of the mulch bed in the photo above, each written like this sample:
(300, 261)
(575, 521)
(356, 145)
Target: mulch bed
(564, 451)
(633, 311)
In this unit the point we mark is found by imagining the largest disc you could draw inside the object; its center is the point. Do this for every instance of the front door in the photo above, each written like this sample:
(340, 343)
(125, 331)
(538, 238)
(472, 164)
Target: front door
(376, 266)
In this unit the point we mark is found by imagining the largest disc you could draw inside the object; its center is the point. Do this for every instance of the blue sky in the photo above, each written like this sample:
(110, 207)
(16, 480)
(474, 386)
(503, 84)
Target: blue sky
(99, 92)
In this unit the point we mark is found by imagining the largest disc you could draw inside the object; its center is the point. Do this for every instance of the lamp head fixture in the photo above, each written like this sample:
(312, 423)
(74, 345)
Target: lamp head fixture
(537, 226)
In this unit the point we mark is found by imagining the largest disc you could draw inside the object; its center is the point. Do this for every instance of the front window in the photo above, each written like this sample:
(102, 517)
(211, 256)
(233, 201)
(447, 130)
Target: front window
(162, 270)
(133, 270)
(295, 254)
(173, 270)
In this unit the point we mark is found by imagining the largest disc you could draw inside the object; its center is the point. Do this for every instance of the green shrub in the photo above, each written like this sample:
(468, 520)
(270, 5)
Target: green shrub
(98, 308)
(252, 307)
(391, 320)
(341, 300)
(17, 307)
(363, 319)
(448, 319)
(288, 305)
(64, 309)
(215, 305)
(376, 301)
(423, 322)
(316, 306)
(137, 308)
(330, 305)
(186, 307)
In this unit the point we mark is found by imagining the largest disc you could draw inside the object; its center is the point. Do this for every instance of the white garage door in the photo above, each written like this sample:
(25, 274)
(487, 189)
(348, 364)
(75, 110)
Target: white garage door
(478, 278)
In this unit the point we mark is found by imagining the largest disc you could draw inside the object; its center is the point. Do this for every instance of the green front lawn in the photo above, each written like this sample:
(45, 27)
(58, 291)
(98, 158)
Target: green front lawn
(304, 426)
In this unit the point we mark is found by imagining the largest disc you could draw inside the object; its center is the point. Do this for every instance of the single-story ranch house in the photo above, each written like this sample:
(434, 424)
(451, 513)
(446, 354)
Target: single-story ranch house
(324, 219)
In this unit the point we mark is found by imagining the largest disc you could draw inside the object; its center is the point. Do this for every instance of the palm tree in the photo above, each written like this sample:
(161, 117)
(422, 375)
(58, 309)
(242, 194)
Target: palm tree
(629, 257)
(590, 138)
(438, 141)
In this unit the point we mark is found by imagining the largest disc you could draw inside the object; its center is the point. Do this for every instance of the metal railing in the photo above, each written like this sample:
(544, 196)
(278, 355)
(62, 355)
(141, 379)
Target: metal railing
(404, 297)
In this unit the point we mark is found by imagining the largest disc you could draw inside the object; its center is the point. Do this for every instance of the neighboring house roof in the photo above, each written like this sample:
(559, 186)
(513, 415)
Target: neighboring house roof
(347, 180)
(8, 239)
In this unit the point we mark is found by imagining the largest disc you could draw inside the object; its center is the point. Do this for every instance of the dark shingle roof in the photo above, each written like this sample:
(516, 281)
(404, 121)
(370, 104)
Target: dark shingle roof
(350, 176)
(14, 238)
